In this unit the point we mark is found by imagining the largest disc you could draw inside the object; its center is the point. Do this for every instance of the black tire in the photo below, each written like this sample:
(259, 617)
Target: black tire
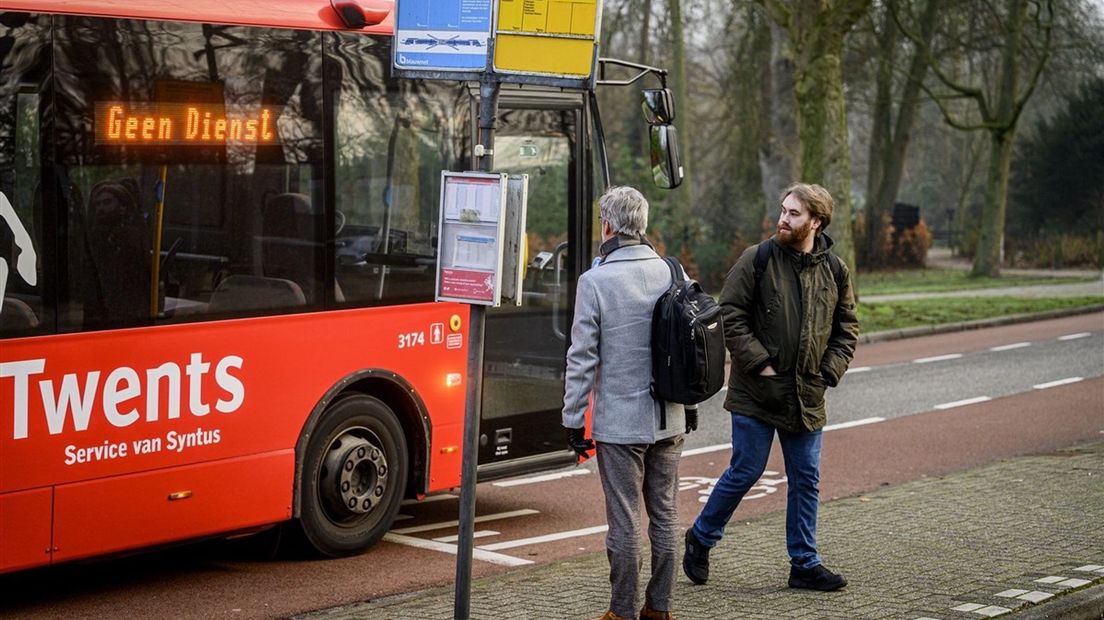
(353, 477)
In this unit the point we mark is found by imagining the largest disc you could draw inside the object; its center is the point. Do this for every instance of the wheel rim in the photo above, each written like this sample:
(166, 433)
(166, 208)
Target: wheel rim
(353, 479)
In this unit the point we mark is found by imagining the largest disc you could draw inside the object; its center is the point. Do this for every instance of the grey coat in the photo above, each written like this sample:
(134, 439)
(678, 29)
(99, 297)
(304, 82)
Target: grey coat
(611, 350)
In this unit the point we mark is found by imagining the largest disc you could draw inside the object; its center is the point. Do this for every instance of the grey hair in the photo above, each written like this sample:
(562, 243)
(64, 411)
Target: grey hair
(625, 209)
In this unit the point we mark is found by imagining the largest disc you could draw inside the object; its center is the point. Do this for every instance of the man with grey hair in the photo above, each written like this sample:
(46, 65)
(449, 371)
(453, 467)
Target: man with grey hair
(639, 438)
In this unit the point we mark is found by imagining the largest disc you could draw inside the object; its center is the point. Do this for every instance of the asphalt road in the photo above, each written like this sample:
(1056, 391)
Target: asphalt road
(906, 417)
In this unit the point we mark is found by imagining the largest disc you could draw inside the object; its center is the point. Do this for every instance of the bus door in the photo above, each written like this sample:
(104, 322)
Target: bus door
(525, 345)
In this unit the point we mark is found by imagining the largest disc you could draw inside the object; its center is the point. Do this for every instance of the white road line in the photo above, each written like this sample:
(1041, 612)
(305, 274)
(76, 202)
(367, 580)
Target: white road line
(477, 553)
(961, 403)
(475, 534)
(1074, 336)
(852, 423)
(706, 449)
(536, 540)
(481, 519)
(542, 478)
(428, 499)
(851, 371)
(1009, 347)
(830, 427)
(937, 358)
(1050, 384)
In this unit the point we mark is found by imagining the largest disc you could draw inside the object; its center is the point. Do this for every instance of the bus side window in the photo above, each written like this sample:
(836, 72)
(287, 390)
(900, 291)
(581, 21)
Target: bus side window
(28, 248)
(116, 279)
(288, 246)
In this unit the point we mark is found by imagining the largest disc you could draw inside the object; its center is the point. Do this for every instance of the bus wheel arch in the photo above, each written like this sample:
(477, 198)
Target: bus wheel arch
(362, 451)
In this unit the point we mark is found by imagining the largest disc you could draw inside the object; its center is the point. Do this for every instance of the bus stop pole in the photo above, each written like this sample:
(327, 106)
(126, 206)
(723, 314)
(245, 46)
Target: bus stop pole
(488, 112)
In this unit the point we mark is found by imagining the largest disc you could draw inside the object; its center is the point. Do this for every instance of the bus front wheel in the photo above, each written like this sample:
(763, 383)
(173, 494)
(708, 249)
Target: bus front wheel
(353, 477)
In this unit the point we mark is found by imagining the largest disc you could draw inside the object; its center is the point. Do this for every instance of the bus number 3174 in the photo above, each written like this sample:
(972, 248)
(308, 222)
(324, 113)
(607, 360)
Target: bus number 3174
(411, 339)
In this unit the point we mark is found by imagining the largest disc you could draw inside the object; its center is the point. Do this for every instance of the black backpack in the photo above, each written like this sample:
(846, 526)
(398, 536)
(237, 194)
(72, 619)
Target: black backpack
(688, 348)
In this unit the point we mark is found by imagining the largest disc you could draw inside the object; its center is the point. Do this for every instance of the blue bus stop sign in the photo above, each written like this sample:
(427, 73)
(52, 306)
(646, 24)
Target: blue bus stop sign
(442, 35)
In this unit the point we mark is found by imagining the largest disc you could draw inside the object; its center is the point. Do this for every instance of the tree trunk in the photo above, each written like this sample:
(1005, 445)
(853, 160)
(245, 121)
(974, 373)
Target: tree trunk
(893, 168)
(990, 251)
(634, 128)
(881, 134)
(822, 127)
(684, 195)
(987, 261)
(779, 148)
(817, 29)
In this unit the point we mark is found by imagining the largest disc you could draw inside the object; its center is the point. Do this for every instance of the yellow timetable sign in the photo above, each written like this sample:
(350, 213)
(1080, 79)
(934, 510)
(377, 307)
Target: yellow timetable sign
(546, 36)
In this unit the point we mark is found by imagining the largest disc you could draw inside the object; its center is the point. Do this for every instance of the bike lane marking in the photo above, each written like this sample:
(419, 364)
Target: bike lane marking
(962, 403)
(1050, 384)
(1010, 347)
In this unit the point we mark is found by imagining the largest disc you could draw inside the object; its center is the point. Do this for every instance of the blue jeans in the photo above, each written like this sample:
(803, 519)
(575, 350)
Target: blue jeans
(751, 444)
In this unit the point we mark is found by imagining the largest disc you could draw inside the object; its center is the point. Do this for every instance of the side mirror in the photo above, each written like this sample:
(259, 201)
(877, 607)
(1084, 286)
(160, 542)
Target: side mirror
(666, 166)
(355, 17)
(658, 106)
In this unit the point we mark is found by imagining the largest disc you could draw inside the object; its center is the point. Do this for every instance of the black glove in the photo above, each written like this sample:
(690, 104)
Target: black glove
(577, 442)
(691, 418)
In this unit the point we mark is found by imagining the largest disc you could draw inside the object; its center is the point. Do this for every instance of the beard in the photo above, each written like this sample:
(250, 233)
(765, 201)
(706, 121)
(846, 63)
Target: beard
(795, 236)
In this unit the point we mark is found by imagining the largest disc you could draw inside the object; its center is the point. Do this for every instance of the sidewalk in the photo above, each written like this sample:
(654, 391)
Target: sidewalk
(1020, 538)
(941, 258)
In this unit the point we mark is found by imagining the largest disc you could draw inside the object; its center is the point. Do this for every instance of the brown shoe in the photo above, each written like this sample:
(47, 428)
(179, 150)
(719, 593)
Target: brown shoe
(647, 613)
(609, 615)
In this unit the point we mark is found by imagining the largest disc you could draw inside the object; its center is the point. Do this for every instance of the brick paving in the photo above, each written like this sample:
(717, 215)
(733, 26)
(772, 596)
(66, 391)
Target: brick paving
(974, 544)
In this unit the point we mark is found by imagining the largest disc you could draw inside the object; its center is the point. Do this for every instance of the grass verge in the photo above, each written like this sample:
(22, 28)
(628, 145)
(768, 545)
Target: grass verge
(939, 280)
(881, 316)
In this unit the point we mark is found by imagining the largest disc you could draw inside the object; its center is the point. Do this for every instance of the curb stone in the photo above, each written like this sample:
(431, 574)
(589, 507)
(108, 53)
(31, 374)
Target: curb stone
(1084, 604)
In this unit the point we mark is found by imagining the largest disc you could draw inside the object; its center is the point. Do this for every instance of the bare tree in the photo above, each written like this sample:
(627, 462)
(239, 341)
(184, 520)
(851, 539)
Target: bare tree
(889, 138)
(1017, 47)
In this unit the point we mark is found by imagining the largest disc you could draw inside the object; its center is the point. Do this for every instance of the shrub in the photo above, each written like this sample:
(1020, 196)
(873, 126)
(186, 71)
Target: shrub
(880, 255)
(1057, 251)
(910, 247)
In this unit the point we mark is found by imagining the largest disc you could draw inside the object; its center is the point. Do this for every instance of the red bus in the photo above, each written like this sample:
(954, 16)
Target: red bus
(217, 257)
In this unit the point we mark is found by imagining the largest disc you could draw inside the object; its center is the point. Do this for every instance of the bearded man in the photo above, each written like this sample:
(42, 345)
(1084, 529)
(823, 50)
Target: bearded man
(791, 329)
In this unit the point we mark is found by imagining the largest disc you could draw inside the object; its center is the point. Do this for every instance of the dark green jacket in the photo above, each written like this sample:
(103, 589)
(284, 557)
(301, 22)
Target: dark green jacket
(801, 322)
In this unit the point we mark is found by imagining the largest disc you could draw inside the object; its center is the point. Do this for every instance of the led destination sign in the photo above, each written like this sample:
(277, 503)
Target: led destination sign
(183, 124)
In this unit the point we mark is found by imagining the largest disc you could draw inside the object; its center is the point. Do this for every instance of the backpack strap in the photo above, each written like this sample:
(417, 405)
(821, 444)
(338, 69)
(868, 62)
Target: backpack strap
(676, 280)
(763, 254)
(836, 265)
(762, 257)
(676, 270)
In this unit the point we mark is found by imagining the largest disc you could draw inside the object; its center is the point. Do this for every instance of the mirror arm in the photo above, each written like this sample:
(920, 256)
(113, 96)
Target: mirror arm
(642, 70)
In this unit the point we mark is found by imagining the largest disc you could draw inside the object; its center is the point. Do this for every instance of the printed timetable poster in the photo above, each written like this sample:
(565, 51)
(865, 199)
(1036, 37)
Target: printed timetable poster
(442, 35)
(469, 259)
(547, 37)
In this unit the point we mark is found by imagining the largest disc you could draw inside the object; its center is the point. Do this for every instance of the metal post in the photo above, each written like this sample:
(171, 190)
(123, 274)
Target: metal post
(464, 546)
(488, 111)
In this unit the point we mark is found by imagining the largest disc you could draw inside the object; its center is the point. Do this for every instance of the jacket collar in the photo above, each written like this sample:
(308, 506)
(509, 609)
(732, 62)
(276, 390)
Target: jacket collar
(619, 242)
(821, 247)
(630, 252)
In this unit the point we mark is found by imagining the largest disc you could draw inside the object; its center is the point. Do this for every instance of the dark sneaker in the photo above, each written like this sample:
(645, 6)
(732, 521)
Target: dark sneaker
(695, 561)
(816, 578)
